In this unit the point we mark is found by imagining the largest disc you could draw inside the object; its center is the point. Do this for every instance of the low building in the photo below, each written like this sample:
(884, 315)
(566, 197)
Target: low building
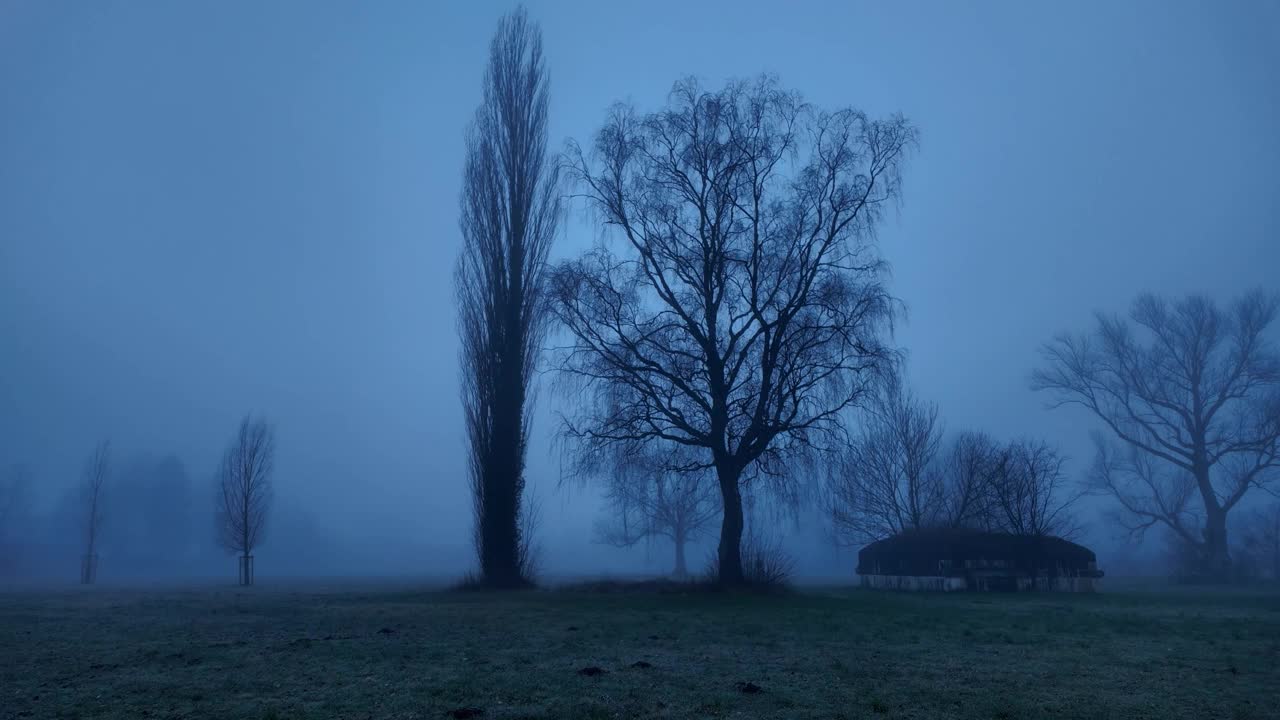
(951, 559)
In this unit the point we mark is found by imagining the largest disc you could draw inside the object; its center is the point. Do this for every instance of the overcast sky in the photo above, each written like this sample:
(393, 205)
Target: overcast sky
(208, 208)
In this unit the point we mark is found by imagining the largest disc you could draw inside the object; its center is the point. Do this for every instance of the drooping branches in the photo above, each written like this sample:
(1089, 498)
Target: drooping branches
(509, 212)
(655, 490)
(736, 304)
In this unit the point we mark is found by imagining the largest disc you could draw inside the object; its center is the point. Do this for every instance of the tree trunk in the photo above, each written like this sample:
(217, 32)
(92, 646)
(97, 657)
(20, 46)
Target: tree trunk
(1216, 559)
(730, 550)
(681, 571)
(499, 560)
(88, 567)
(500, 535)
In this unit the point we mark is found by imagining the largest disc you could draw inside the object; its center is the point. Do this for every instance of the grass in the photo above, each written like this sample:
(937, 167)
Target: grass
(399, 653)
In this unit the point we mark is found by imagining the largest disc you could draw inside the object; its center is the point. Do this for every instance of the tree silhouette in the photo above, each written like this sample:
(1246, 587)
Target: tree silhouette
(244, 491)
(93, 479)
(652, 493)
(736, 306)
(1192, 394)
(887, 480)
(510, 209)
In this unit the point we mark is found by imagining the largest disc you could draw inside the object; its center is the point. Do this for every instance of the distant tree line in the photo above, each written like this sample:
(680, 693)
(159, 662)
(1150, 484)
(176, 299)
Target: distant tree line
(141, 514)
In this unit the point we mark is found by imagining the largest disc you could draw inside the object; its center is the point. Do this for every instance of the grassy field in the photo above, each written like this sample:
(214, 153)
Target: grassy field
(399, 653)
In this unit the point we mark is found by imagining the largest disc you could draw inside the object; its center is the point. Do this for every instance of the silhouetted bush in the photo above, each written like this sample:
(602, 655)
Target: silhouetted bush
(766, 564)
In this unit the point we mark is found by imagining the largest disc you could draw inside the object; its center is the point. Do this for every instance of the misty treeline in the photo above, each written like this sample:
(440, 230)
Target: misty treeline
(729, 335)
(144, 515)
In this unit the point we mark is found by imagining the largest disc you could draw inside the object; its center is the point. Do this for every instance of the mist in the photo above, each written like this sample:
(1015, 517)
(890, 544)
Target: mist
(209, 210)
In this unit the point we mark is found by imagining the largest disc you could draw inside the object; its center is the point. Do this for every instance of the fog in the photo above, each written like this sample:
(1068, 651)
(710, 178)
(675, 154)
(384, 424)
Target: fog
(214, 209)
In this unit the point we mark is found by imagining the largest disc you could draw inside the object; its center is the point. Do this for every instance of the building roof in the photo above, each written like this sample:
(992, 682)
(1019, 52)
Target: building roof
(927, 547)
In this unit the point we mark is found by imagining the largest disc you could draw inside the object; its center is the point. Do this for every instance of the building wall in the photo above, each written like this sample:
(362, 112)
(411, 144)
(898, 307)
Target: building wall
(947, 584)
(912, 582)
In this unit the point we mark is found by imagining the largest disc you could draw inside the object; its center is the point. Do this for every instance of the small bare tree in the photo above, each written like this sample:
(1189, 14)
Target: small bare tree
(1193, 391)
(244, 491)
(510, 209)
(969, 468)
(740, 299)
(887, 480)
(93, 479)
(654, 493)
(1029, 492)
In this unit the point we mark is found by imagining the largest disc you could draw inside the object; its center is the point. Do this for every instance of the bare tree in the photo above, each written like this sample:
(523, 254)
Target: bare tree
(244, 491)
(1029, 492)
(93, 479)
(1148, 491)
(1194, 391)
(969, 468)
(510, 210)
(743, 309)
(654, 493)
(887, 481)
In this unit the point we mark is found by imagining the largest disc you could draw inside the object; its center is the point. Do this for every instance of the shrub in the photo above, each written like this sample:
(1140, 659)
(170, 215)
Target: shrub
(766, 564)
